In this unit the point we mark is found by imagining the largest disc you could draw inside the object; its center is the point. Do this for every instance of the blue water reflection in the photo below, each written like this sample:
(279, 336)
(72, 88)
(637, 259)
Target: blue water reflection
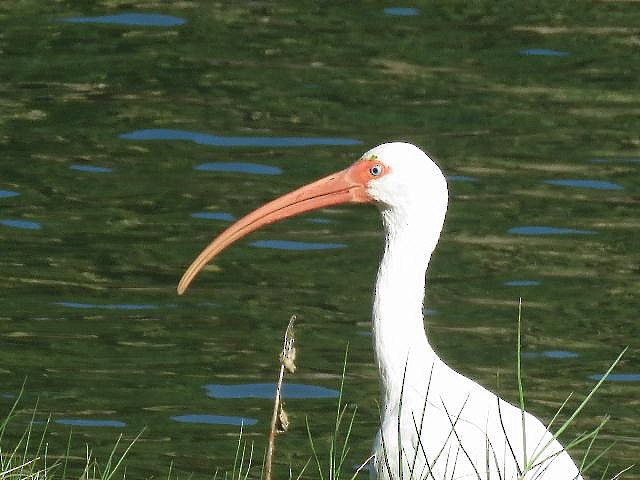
(8, 194)
(618, 377)
(214, 419)
(594, 184)
(291, 245)
(227, 217)
(24, 224)
(85, 422)
(461, 178)
(108, 306)
(90, 168)
(239, 167)
(223, 141)
(615, 160)
(522, 283)
(402, 11)
(144, 19)
(268, 390)
(558, 354)
(319, 220)
(542, 230)
(543, 52)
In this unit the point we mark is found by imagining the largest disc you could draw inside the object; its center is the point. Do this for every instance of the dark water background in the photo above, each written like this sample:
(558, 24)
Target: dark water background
(132, 134)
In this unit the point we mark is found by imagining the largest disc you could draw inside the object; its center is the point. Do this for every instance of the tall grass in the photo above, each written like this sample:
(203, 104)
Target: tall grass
(29, 458)
(334, 463)
(330, 465)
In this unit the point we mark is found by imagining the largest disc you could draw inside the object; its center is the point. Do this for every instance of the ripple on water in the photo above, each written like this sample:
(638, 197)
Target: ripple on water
(593, 184)
(144, 19)
(618, 377)
(214, 419)
(461, 178)
(108, 306)
(23, 224)
(543, 230)
(90, 168)
(267, 390)
(522, 283)
(615, 160)
(227, 141)
(402, 11)
(291, 245)
(320, 220)
(86, 422)
(543, 52)
(559, 354)
(8, 194)
(227, 217)
(239, 167)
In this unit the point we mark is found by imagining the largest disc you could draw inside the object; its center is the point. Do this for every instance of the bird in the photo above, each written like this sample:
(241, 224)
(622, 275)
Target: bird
(435, 423)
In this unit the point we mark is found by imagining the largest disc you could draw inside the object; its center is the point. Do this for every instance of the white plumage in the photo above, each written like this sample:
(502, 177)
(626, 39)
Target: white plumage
(436, 424)
(465, 432)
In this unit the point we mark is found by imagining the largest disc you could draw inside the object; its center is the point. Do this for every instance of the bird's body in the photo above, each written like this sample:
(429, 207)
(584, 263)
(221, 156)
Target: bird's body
(435, 423)
(462, 429)
(461, 433)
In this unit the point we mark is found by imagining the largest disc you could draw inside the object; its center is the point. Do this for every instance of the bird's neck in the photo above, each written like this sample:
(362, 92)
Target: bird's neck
(401, 345)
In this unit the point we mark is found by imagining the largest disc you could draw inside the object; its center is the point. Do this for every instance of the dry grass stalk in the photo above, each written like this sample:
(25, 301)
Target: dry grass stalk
(280, 420)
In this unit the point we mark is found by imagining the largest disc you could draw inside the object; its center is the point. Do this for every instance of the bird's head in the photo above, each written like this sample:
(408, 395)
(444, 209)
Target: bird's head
(399, 177)
(403, 177)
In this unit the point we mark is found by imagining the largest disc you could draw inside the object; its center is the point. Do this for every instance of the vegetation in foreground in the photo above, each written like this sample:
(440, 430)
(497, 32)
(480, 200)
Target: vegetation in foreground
(29, 458)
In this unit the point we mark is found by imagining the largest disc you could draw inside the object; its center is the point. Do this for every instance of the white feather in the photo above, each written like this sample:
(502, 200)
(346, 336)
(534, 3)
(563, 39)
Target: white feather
(466, 431)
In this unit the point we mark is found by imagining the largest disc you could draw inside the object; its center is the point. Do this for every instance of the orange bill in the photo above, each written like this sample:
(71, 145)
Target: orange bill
(348, 185)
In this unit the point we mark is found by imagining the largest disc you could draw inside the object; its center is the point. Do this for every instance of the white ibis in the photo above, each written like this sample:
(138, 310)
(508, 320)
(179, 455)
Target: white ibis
(435, 423)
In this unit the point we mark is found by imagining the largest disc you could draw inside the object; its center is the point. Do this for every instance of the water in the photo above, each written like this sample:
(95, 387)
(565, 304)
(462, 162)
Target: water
(239, 167)
(545, 230)
(402, 11)
(227, 141)
(618, 377)
(20, 224)
(206, 419)
(90, 168)
(86, 422)
(555, 354)
(113, 306)
(594, 184)
(118, 137)
(8, 193)
(461, 178)
(267, 390)
(291, 245)
(142, 19)
(224, 216)
(543, 52)
(522, 283)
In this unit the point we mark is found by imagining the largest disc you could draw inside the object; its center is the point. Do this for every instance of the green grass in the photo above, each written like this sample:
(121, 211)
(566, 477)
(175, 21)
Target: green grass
(330, 466)
(29, 457)
(334, 463)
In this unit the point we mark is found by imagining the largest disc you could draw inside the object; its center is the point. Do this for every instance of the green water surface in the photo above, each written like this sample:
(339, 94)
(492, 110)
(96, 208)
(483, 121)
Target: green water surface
(504, 95)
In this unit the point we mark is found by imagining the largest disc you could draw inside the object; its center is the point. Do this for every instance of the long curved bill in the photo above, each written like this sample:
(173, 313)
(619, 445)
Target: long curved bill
(341, 187)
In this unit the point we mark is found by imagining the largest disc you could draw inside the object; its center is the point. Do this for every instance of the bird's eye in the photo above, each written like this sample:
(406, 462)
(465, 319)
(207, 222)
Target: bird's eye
(376, 170)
